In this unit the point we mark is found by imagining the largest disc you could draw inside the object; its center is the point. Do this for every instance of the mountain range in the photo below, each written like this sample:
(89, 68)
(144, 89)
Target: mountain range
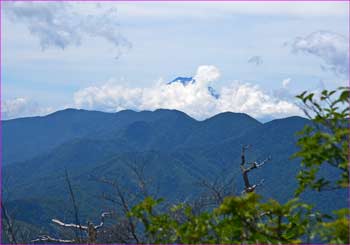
(175, 150)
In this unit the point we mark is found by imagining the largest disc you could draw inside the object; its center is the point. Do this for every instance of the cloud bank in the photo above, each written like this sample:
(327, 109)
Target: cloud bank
(21, 107)
(58, 25)
(331, 47)
(193, 98)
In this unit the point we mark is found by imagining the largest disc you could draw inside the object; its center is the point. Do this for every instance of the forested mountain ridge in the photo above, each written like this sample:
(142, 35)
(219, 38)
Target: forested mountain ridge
(35, 135)
(177, 152)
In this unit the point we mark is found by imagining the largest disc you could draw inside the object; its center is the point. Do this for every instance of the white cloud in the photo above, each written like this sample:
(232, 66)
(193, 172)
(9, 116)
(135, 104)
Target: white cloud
(21, 107)
(286, 82)
(331, 47)
(206, 74)
(193, 98)
(60, 25)
(283, 93)
(257, 60)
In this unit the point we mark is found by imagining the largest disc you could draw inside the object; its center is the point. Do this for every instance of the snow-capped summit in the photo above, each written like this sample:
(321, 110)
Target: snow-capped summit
(189, 80)
(213, 92)
(183, 80)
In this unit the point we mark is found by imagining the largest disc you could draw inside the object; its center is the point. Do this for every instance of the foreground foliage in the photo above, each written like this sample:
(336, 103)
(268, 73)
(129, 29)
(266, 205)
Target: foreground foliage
(237, 220)
(326, 141)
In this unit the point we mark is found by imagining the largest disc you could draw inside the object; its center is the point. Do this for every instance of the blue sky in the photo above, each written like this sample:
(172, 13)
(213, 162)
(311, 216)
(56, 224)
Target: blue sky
(113, 56)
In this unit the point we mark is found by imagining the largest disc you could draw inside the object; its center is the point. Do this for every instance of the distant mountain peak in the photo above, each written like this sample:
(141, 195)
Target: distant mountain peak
(291, 119)
(213, 92)
(174, 112)
(184, 80)
(232, 116)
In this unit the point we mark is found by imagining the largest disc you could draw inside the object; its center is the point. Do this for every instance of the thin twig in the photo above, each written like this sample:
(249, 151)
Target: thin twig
(9, 231)
(76, 210)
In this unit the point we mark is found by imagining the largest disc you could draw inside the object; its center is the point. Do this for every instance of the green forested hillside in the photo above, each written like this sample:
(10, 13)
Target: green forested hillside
(176, 151)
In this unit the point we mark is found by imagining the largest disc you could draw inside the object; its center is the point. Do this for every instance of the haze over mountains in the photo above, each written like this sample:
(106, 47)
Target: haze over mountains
(176, 150)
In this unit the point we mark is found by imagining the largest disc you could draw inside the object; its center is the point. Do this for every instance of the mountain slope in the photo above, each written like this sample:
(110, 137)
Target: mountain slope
(37, 135)
(176, 150)
(221, 127)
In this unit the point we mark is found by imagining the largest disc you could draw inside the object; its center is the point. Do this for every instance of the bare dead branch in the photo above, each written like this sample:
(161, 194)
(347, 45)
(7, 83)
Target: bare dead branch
(9, 229)
(75, 206)
(103, 215)
(124, 204)
(46, 238)
(90, 230)
(245, 171)
(60, 223)
(138, 171)
(258, 165)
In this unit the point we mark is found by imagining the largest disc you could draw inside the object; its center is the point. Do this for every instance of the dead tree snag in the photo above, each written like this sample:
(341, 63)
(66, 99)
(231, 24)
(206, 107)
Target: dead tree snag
(246, 170)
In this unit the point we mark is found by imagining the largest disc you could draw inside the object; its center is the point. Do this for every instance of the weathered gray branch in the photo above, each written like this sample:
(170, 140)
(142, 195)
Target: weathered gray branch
(103, 215)
(9, 230)
(45, 238)
(75, 206)
(90, 229)
(245, 171)
(60, 223)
